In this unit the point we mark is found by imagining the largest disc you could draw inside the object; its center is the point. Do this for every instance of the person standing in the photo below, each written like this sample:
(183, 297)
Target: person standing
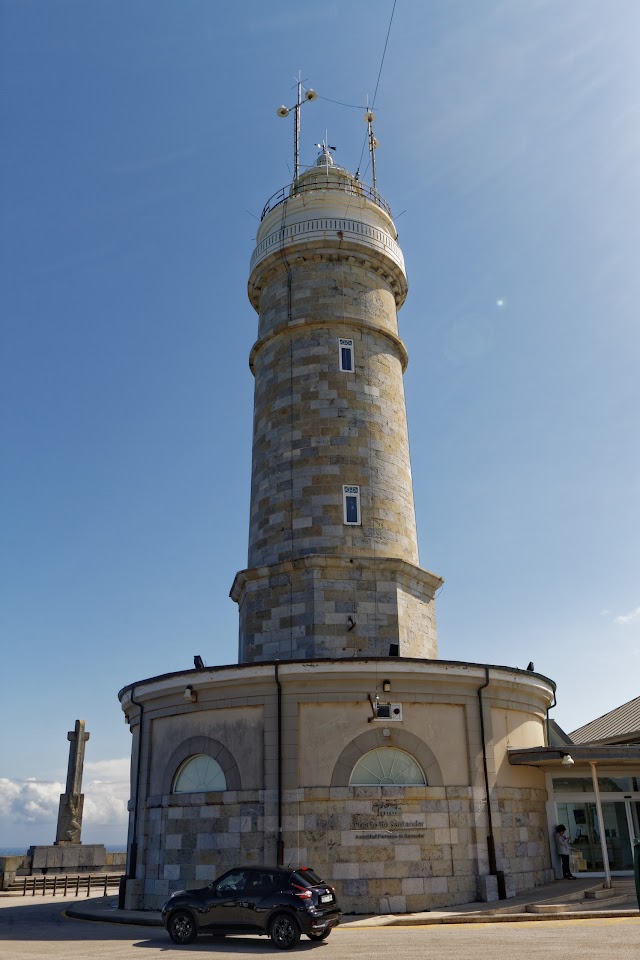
(562, 848)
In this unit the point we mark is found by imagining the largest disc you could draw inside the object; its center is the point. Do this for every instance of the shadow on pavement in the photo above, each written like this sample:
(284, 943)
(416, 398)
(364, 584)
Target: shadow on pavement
(261, 946)
(44, 921)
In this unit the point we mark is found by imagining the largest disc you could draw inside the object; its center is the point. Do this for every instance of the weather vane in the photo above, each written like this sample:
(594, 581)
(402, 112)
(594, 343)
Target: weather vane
(325, 146)
(285, 111)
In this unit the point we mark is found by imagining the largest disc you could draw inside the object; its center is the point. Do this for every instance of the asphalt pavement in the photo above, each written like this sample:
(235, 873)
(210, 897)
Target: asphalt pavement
(39, 929)
(553, 901)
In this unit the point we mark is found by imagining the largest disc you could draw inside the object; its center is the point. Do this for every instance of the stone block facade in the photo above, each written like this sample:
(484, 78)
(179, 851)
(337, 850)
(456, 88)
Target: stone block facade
(384, 847)
(317, 428)
(332, 606)
(420, 857)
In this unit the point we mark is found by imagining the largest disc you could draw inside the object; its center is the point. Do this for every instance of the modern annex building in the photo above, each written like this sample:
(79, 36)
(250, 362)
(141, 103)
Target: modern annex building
(339, 739)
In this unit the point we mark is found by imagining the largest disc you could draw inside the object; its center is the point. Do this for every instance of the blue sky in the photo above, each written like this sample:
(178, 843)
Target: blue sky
(140, 143)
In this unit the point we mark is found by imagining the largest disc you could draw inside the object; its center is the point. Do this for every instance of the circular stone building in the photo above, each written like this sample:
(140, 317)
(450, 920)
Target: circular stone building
(339, 740)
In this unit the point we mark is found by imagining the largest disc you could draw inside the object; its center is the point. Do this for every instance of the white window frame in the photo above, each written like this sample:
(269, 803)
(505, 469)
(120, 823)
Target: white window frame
(345, 343)
(381, 756)
(350, 490)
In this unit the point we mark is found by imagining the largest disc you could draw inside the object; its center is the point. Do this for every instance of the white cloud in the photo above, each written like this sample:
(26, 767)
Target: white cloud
(626, 618)
(107, 792)
(29, 800)
(115, 770)
(105, 788)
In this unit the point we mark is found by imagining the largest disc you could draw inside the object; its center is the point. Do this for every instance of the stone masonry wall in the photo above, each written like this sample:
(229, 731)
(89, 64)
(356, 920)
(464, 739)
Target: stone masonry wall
(192, 838)
(389, 849)
(522, 843)
(385, 849)
(325, 606)
(317, 428)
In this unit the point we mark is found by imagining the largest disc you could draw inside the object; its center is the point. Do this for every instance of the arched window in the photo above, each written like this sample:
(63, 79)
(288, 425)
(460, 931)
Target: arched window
(386, 765)
(199, 774)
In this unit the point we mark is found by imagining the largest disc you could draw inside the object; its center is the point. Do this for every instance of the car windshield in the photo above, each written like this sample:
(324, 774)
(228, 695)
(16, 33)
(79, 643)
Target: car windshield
(232, 882)
(307, 877)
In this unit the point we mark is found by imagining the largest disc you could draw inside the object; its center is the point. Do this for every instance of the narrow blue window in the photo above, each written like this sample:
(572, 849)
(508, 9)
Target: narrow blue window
(346, 355)
(351, 505)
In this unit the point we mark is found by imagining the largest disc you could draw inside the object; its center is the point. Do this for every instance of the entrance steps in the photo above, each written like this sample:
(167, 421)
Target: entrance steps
(597, 897)
(581, 896)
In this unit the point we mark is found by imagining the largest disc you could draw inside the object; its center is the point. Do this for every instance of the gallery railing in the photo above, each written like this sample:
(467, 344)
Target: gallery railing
(351, 187)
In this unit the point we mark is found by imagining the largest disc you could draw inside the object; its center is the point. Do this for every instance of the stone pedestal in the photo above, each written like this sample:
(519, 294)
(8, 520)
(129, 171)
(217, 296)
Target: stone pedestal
(10, 867)
(69, 858)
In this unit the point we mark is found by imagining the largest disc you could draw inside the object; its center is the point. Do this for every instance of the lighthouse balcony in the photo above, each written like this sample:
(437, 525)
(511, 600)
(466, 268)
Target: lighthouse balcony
(351, 186)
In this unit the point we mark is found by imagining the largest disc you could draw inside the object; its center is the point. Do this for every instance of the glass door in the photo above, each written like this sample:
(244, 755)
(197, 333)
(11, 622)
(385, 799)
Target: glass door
(581, 820)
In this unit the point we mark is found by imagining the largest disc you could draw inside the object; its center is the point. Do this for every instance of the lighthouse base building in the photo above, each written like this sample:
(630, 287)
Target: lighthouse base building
(289, 762)
(339, 741)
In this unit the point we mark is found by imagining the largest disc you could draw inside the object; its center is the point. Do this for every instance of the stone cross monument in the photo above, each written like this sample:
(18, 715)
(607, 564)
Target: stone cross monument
(71, 802)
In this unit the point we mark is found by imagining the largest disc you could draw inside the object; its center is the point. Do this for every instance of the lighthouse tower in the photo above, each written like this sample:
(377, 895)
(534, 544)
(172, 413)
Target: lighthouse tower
(409, 803)
(333, 568)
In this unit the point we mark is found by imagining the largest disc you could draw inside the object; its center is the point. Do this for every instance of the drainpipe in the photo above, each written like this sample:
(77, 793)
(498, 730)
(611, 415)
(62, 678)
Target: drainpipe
(280, 842)
(550, 707)
(603, 839)
(133, 849)
(491, 843)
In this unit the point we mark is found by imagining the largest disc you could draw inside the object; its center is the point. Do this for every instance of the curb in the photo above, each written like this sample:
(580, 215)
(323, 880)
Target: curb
(511, 918)
(125, 917)
(112, 916)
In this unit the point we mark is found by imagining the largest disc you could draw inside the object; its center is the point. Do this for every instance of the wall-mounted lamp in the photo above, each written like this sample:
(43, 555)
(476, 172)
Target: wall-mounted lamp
(386, 686)
(190, 694)
(567, 760)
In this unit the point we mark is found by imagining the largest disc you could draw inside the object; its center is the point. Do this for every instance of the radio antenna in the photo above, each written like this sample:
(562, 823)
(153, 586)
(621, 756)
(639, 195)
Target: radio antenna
(283, 111)
(373, 146)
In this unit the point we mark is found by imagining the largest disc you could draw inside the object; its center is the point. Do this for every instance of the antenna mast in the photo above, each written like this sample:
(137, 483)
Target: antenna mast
(373, 145)
(296, 131)
(283, 111)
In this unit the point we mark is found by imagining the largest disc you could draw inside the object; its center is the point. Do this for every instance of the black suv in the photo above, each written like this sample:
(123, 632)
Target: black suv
(283, 903)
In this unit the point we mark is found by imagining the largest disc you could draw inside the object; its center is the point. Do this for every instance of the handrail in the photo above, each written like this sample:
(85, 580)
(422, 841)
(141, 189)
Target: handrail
(352, 187)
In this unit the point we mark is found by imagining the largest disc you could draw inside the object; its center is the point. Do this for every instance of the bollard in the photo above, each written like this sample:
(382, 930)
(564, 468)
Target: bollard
(636, 867)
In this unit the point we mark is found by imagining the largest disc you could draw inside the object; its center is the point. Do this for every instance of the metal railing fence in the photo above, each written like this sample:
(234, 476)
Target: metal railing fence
(67, 885)
(353, 188)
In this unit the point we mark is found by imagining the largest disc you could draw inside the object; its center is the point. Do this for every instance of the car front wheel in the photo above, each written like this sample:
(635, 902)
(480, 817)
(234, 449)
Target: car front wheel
(320, 934)
(284, 932)
(182, 927)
